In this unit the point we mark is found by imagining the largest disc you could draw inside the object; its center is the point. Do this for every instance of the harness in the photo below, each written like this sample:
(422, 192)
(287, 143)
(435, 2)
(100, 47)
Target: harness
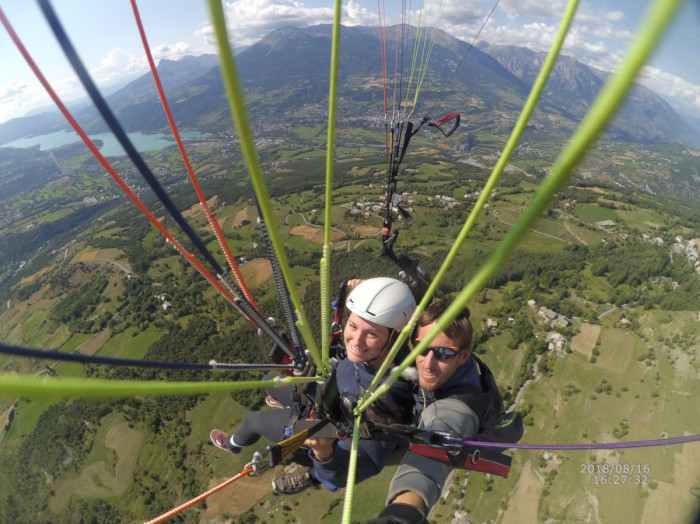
(494, 425)
(469, 457)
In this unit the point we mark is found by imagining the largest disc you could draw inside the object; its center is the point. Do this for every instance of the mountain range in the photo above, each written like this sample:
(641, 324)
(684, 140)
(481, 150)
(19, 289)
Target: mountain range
(285, 75)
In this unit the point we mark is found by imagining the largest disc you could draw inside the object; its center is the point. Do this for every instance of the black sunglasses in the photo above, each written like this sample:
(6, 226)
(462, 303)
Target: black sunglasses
(441, 353)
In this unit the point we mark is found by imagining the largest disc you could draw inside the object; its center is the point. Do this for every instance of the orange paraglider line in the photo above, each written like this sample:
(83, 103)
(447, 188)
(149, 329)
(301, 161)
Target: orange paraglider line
(199, 498)
(188, 165)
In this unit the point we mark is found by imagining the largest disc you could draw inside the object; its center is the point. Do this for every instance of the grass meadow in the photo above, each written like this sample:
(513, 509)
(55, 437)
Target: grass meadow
(643, 383)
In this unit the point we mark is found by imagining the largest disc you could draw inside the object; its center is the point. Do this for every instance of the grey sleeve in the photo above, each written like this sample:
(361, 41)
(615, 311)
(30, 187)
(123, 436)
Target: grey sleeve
(426, 476)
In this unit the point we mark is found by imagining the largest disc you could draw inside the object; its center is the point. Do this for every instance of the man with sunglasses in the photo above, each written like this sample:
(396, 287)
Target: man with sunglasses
(449, 399)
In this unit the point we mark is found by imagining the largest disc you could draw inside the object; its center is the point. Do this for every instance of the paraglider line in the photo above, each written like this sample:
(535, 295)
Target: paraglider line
(21, 351)
(145, 171)
(186, 160)
(120, 134)
(199, 498)
(108, 167)
(571, 447)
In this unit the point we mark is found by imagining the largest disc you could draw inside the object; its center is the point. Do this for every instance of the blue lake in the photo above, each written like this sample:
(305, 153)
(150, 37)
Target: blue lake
(110, 147)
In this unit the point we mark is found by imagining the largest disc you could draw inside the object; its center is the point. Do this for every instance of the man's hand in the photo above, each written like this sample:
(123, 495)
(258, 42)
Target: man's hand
(322, 448)
(412, 498)
(397, 513)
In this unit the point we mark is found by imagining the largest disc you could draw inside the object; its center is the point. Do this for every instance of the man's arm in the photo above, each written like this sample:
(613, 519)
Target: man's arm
(421, 479)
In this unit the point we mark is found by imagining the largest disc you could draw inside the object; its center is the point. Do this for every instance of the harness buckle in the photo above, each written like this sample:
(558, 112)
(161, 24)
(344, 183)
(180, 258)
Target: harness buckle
(257, 463)
(437, 439)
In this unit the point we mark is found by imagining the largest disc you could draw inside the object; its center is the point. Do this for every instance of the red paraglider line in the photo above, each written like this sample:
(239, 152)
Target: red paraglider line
(185, 158)
(113, 173)
(382, 46)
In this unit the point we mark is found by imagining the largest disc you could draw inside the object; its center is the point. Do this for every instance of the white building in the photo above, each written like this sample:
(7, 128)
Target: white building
(556, 341)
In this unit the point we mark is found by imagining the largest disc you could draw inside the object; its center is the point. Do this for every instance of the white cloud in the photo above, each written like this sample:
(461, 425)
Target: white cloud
(594, 32)
(519, 9)
(536, 36)
(596, 37)
(250, 20)
(12, 91)
(671, 85)
(354, 14)
(461, 12)
(175, 51)
(615, 16)
(16, 99)
(599, 37)
(116, 65)
(68, 88)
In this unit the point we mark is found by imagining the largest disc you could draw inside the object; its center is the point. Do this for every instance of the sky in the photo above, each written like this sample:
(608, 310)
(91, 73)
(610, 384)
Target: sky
(107, 40)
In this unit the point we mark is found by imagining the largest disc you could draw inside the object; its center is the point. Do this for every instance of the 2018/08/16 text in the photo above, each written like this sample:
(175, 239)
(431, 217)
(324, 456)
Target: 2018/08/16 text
(619, 469)
(617, 474)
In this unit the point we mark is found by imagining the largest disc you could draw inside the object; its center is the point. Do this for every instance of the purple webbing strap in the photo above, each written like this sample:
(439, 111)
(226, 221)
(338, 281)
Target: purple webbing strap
(552, 447)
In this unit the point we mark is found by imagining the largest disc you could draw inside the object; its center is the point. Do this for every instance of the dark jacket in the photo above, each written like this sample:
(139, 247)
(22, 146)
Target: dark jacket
(372, 454)
(447, 409)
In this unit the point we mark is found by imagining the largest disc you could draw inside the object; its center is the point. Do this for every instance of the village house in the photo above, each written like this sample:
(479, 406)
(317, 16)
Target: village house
(605, 223)
(560, 321)
(163, 297)
(547, 313)
(556, 341)
(689, 249)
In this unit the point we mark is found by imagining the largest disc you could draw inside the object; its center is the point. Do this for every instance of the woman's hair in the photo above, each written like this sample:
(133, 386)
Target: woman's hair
(460, 329)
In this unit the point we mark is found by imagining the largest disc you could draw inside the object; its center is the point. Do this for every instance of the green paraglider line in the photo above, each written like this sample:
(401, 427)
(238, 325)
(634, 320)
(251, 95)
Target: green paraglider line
(495, 176)
(239, 113)
(325, 264)
(352, 472)
(52, 387)
(425, 59)
(657, 19)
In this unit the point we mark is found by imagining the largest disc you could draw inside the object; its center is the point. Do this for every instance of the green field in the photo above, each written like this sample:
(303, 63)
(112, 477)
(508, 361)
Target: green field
(642, 384)
(76, 340)
(592, 213)
(131, 344)
(643, 219)
(27, 414)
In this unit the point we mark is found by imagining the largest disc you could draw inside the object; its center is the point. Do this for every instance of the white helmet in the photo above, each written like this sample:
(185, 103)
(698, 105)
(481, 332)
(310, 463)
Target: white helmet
(384, 301)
